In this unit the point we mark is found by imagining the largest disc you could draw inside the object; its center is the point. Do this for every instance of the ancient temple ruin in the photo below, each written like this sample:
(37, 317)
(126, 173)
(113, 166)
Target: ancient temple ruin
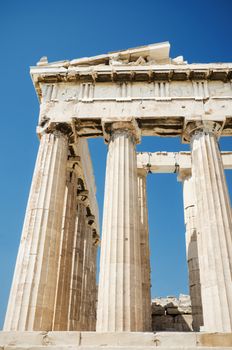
(122, 96)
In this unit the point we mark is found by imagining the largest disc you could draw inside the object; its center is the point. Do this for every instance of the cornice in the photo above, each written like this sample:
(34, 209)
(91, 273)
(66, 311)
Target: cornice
(210, 71)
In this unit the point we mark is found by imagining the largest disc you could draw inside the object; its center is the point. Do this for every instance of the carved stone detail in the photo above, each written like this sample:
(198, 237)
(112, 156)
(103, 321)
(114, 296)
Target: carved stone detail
(198, 127)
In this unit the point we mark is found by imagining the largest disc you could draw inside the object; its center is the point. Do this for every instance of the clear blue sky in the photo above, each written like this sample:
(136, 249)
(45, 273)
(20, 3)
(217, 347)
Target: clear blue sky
(199, 30)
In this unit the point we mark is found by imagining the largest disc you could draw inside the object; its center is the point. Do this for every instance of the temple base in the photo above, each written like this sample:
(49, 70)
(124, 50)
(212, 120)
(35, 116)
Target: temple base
(116, 341)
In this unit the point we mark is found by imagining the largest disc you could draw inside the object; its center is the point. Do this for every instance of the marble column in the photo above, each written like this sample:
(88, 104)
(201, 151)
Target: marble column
(74, 315)
(214, 223)
(192, 251)
(88, 311)
(66, 250)
(144, 250)
(86, 289)
(32, 297)
(120, 294)
(93, 285)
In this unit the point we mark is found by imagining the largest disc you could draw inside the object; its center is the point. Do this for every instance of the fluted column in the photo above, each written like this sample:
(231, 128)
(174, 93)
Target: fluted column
(192, 251)
(93, 285)
(86, 290)
(74, 315)
(144, 249)
(32, 297)
(214, 223)
(119, 294)
(66, 250)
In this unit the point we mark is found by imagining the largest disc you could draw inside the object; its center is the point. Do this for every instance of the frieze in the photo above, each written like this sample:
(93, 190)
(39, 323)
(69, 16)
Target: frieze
(126, 91)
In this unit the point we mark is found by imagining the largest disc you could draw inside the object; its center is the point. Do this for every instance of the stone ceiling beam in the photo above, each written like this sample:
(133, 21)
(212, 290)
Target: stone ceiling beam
(171, 162)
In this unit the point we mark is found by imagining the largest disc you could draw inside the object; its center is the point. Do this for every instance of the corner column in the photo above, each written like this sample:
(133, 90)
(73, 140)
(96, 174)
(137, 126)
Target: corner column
(120, 294)
(144, 250)
(214, 224)
(32, 297)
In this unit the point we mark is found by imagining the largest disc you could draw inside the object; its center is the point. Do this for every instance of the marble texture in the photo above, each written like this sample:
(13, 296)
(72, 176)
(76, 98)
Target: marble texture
(192, 251)
(214, 225)
(120, 287)
(144, 250)
(32, 297)
(115, 341)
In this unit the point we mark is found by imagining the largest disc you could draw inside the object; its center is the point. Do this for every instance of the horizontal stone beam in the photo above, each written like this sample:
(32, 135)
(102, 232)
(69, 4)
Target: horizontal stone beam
(66, 72)
(172, 162)
(155, 118)
(115, 341)
(161, 108)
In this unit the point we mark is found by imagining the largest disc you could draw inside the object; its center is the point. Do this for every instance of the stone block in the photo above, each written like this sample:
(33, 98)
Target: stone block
(173, 310)
(116, 339)
(16, 339)
(167, 339)
(163, 323)
(220, 340)
(62, 338)
(158, 309)
(183, 323)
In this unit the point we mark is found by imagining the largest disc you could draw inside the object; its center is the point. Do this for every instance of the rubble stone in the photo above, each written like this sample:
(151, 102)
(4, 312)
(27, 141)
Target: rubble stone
(172, 314)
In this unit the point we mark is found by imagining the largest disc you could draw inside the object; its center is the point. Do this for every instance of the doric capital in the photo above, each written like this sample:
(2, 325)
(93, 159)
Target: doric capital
(142, 172)
(184, 174)
(55, 128)
(202, 126)
(111, 128)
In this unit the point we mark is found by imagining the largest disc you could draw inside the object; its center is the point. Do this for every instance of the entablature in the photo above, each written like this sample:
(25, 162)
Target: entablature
(130, 73)
(162, 94)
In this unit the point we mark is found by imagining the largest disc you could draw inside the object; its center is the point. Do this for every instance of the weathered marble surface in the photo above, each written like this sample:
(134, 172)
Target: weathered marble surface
(144, 249)
(192, 250)
(33, 291)
(54, 285)
(214, 228)
(114, 341)
(162, 93)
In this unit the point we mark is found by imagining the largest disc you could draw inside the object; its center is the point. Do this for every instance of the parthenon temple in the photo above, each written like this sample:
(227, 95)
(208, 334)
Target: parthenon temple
(122, 96)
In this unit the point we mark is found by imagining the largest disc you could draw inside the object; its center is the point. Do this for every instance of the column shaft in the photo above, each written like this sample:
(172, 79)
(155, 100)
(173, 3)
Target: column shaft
(93, 287)
(145, 251)
(88, 302)
(66, 250)
(85, 292)
(32, 297)
(74, 317)
(119, 295)
(214, 237)
(192, 252)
